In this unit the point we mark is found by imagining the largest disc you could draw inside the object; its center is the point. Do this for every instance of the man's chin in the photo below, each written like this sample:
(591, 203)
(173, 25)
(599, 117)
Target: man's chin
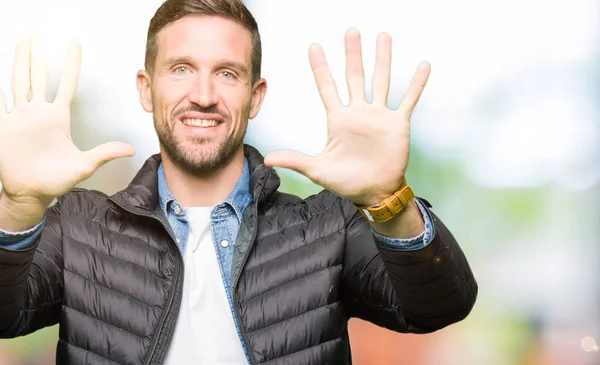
(197, 162)
(197, 165)
(197, 157)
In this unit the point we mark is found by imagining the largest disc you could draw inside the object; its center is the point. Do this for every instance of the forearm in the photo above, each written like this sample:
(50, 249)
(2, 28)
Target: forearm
(434, 285)
(31, 279)
(15, 267)
(20, 231)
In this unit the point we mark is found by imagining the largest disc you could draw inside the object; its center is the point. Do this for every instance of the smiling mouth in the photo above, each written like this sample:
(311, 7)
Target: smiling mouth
(200, 122)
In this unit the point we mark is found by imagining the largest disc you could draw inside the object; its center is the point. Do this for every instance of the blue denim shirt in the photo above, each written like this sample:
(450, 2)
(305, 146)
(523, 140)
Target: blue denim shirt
(226, 218)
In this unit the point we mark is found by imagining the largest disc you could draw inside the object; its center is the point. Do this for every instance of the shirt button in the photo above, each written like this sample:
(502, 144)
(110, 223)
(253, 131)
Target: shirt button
(177, 210)
(178, 240)
(224, 243)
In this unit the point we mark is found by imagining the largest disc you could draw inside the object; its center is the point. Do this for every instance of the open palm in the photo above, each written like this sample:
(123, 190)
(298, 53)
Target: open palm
(368, 144)
(38, 159)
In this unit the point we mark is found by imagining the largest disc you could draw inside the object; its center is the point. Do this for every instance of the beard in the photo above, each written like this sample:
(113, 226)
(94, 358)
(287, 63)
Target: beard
(206, 155)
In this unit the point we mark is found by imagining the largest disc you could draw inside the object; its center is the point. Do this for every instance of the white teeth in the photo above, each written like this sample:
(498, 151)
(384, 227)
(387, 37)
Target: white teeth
(201, 122)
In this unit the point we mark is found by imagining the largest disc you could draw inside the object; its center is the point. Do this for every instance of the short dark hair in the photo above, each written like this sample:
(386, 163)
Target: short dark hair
(173, 10)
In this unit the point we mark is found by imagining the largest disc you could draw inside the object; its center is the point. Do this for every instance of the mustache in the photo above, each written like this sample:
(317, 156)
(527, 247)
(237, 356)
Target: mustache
(213, 109)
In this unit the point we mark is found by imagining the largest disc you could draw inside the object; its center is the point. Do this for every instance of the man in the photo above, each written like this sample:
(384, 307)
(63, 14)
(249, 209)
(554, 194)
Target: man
(200, 260)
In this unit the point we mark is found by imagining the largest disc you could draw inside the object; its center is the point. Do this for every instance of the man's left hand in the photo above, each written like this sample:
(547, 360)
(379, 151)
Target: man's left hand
(368, 144)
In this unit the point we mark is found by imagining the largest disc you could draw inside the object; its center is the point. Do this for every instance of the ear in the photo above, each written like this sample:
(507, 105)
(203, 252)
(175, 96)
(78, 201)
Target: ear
(258, 94)
(144, 83)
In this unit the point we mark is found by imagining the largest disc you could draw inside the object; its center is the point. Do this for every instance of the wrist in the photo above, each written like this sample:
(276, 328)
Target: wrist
(379, 197)
(17, 216)
(390, 206)
(406, 224)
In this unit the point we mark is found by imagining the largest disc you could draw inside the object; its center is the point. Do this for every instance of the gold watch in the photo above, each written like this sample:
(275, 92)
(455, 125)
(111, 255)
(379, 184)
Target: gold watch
(391, 206)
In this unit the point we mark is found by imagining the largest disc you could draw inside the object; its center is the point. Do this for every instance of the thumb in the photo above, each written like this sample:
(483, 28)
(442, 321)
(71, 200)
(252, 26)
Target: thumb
(293, 160)
(98, 156)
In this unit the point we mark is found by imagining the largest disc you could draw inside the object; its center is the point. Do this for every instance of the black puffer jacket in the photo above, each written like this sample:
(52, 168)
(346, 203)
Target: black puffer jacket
(107, 269)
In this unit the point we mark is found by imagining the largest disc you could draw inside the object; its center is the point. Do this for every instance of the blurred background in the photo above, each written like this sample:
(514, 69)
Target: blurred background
(505, 146)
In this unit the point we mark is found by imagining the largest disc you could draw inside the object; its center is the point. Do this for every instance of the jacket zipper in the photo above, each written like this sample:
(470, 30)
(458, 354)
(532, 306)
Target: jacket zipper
(173, 292)
(237, 279)
(162, 324)
(235, 301)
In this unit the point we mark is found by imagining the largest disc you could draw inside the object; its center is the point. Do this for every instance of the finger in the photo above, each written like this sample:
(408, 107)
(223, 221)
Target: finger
(415, 89)
(2, 104)
(383, 65)
(325, 83)
(355, 74)
(39, 69)
(20, 76)
(98, 156)
(293, 160)
(70, 74)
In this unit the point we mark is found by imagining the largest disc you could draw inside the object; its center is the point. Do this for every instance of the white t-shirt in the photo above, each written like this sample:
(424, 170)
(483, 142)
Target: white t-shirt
(205, 333)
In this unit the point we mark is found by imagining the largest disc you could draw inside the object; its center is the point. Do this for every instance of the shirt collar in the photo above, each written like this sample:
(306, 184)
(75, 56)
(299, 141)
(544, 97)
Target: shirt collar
(239, 197)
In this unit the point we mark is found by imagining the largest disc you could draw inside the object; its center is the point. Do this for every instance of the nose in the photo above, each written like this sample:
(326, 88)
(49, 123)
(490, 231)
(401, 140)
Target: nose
(203, 92)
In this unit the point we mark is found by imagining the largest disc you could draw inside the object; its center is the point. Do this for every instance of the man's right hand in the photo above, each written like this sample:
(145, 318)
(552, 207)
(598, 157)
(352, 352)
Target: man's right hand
(38, 160)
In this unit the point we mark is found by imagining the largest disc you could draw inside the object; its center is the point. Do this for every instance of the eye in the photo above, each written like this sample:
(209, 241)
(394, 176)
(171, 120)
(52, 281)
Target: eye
(181, 70)
(228, 75)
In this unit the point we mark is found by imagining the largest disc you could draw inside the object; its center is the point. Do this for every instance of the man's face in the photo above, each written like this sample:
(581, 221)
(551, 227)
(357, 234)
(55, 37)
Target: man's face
(200, 92)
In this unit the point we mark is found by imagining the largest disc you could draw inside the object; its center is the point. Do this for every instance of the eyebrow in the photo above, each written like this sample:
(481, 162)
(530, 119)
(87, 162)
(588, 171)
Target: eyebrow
(240, 67)
(235, 65)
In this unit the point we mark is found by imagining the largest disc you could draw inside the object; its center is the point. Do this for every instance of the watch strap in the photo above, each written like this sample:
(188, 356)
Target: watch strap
(390, 206)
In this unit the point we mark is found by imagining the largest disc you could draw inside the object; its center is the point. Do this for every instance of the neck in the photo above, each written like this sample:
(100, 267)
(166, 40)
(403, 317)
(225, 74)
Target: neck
(202, 190)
